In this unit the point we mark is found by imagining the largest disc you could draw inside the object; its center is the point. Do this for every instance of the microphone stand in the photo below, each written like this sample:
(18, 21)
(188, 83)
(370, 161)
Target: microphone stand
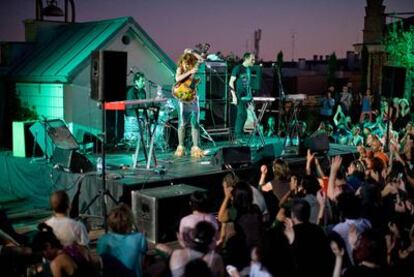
(281, 96)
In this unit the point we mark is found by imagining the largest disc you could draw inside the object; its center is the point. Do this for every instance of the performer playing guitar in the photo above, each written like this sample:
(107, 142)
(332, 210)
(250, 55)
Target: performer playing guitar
(185, 91)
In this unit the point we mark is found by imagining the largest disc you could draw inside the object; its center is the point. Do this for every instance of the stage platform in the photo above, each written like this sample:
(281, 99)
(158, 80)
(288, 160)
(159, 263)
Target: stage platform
(35, 180)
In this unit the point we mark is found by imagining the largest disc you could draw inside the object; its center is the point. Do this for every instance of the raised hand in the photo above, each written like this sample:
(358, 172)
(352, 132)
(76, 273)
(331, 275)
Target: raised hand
(293, 183)
(289, 231)
(310, 156)
(336, 163)
(263, 169)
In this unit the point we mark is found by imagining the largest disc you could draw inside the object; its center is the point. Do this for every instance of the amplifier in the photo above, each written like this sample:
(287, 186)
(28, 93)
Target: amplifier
(158, 211)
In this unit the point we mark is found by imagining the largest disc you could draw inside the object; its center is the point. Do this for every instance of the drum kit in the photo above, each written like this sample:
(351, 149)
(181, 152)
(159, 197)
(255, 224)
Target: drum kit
(165, 123)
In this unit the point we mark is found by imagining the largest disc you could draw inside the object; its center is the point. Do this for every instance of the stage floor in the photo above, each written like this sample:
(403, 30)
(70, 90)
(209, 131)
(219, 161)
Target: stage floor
(171, 168)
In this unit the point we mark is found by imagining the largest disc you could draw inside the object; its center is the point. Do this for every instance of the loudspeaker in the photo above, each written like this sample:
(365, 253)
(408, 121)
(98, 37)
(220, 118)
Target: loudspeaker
(212, 93)
(393, 81)
(256, 81)
(158, 211)
(108, 75)
(317, 144)
(71, 161)
(51, 134)
(235, 156)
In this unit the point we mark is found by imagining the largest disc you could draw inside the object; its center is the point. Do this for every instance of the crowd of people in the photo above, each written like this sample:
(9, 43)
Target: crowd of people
(333, 217)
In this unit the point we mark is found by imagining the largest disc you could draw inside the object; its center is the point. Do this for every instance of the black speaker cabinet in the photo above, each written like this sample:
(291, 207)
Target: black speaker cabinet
(71, 161)
(158, 211)
(317, 144)
(108, 75)
(212, 92)
(235, 156)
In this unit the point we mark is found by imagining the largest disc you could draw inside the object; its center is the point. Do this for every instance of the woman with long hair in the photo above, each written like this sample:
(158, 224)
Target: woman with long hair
(185, 91)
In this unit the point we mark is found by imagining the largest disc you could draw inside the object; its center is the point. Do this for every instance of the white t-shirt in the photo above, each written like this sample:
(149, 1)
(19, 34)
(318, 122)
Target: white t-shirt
(256, 270)
(259, 200)
(68, 231)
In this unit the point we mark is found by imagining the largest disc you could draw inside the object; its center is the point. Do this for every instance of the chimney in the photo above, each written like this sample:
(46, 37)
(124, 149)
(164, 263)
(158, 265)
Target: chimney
(321, 58)
(301, 64)
(315, 57)
(37, 30)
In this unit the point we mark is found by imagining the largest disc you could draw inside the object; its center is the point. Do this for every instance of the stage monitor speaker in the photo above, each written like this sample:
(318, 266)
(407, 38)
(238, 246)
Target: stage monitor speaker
(235, 156)
(393, 81)
(158, 211)
(318, 144)
(51, 134)
(108, 75)
(71, 161)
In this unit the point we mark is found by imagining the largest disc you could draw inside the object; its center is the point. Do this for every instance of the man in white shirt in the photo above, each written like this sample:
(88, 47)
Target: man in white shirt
(67, 230)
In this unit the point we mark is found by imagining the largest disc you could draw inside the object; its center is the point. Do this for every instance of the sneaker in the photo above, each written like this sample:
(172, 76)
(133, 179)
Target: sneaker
(196, 152)
(180, 152)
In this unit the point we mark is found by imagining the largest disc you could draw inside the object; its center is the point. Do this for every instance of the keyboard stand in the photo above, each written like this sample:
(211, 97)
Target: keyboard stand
(149, 154)
(257, 120)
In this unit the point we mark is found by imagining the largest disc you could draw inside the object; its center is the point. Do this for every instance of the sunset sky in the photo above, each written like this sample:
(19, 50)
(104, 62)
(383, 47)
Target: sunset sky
(319, 26)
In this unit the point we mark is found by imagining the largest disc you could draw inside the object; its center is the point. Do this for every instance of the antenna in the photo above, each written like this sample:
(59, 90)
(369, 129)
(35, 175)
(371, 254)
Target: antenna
(257, 38)
(293, 37)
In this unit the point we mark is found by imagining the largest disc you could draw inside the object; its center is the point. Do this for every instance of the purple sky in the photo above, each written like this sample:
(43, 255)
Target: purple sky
(320, 26)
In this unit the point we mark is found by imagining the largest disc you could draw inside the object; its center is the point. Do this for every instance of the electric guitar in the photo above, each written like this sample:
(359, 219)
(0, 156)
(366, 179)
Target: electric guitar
(186, 90)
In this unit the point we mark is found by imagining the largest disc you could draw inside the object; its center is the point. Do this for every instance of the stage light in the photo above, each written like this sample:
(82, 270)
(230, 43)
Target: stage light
(52, 9)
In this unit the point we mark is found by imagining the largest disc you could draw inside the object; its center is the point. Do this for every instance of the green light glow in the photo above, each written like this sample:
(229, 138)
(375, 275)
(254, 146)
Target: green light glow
(46, 99)
(399, 44)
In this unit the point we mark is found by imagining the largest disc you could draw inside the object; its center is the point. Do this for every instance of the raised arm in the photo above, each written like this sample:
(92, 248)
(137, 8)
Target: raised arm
(179, 76)
(335, 165)
(338, 115)
(309, 159)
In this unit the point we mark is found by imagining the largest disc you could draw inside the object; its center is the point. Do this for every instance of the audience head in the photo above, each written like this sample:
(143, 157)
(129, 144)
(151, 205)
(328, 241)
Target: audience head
(197, 267)
(120, 219)
(310, 184)
(274, 253)
(59, 202)
(370, 247)
(202, 236)
(199, 201)
(337, 244)
(281, 169)
(45, 241)
(300, 211)
(356, 167)
(242, 197)
(349, 205)
(230, 180)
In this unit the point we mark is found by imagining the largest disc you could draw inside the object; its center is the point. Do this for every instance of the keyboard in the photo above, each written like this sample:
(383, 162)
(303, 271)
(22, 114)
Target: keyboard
(296, 97)
(264, 99)
(134, 104)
